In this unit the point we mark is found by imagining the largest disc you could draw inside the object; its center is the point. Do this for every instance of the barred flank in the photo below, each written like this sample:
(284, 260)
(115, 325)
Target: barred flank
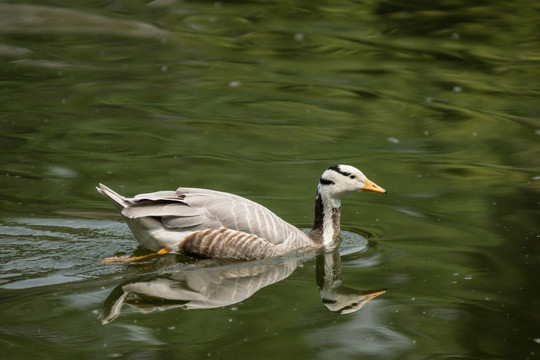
(225, 243)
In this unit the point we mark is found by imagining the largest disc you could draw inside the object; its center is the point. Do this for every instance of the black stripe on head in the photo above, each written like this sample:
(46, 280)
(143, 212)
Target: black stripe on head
(338, 170)
(324, 181)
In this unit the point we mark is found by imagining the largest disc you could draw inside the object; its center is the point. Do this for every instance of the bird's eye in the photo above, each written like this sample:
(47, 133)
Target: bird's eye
(352, 176)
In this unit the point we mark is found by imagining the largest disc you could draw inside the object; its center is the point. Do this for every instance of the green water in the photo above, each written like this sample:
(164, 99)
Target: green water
(438, 102)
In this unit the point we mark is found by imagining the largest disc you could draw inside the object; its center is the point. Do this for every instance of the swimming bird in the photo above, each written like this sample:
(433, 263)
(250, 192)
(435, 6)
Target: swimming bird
(212, 224)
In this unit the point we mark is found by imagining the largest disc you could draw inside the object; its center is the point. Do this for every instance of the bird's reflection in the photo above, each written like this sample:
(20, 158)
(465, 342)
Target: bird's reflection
(206, 288)
(334, 295)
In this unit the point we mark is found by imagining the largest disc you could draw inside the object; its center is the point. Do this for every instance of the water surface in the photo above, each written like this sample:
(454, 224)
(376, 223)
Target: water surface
(437, 102)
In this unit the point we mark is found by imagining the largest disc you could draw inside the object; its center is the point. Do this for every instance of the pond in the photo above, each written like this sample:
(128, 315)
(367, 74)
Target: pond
(437, 102)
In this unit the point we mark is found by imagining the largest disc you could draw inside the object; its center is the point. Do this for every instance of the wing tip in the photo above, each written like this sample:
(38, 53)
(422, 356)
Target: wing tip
(111, 194)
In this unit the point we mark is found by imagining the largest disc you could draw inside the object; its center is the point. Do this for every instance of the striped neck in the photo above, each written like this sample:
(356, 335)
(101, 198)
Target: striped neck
(326, 226)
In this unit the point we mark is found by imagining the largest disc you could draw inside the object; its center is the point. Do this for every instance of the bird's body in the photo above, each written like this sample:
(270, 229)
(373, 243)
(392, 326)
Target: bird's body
(212, 224)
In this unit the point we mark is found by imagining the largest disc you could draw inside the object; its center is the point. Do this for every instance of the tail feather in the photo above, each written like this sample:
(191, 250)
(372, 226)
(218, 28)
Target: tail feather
(119, 201)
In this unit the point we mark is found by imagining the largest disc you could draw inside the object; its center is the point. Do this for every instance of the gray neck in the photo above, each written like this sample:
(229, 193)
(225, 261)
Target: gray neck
(326, 225)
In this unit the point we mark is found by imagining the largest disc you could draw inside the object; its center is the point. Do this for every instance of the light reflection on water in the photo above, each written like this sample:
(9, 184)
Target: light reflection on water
(47, 251)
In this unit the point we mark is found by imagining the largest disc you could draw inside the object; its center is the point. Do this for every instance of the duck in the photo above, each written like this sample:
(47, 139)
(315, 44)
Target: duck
(211, 224)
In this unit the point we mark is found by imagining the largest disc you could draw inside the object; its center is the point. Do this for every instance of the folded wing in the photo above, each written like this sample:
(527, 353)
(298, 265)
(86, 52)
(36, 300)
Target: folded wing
(191, 209)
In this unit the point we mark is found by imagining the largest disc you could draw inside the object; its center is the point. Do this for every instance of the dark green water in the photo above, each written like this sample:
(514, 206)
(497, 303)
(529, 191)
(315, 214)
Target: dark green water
(438, 102)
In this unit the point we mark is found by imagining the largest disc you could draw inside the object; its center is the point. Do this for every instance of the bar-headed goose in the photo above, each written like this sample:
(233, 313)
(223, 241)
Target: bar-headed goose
(212, 224)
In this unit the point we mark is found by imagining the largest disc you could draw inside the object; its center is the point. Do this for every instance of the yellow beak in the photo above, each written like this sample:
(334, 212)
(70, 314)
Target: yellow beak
(371, 186)
(373, 294)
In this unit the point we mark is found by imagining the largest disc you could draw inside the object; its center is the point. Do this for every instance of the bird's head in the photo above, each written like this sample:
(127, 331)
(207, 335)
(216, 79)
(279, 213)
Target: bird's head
(340, 180)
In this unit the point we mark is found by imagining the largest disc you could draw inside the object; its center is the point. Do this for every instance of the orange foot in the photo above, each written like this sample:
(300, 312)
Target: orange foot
(118, 260)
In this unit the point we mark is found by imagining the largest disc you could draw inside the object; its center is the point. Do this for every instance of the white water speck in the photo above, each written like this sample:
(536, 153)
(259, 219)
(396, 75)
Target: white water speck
(299, 37)
(393, 140)
(467, 277)
(234, 84)
(429, 99)
(164, 68)
(171, 327)
(457, 89)
(426, 133)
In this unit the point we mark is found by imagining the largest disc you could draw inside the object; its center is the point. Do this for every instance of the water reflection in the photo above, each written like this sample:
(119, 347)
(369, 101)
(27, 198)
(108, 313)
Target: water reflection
(335, 296)
(207, 288)
(29, 19)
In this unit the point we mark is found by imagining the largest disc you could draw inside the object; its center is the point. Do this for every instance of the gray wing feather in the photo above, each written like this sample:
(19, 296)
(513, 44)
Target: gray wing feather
(159, 208)
(157, 196)
(199, 209)
(238, 213)
(181, 222)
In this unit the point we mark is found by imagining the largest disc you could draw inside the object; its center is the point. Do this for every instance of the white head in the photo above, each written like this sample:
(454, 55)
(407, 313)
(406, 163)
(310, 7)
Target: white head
(340, 180)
